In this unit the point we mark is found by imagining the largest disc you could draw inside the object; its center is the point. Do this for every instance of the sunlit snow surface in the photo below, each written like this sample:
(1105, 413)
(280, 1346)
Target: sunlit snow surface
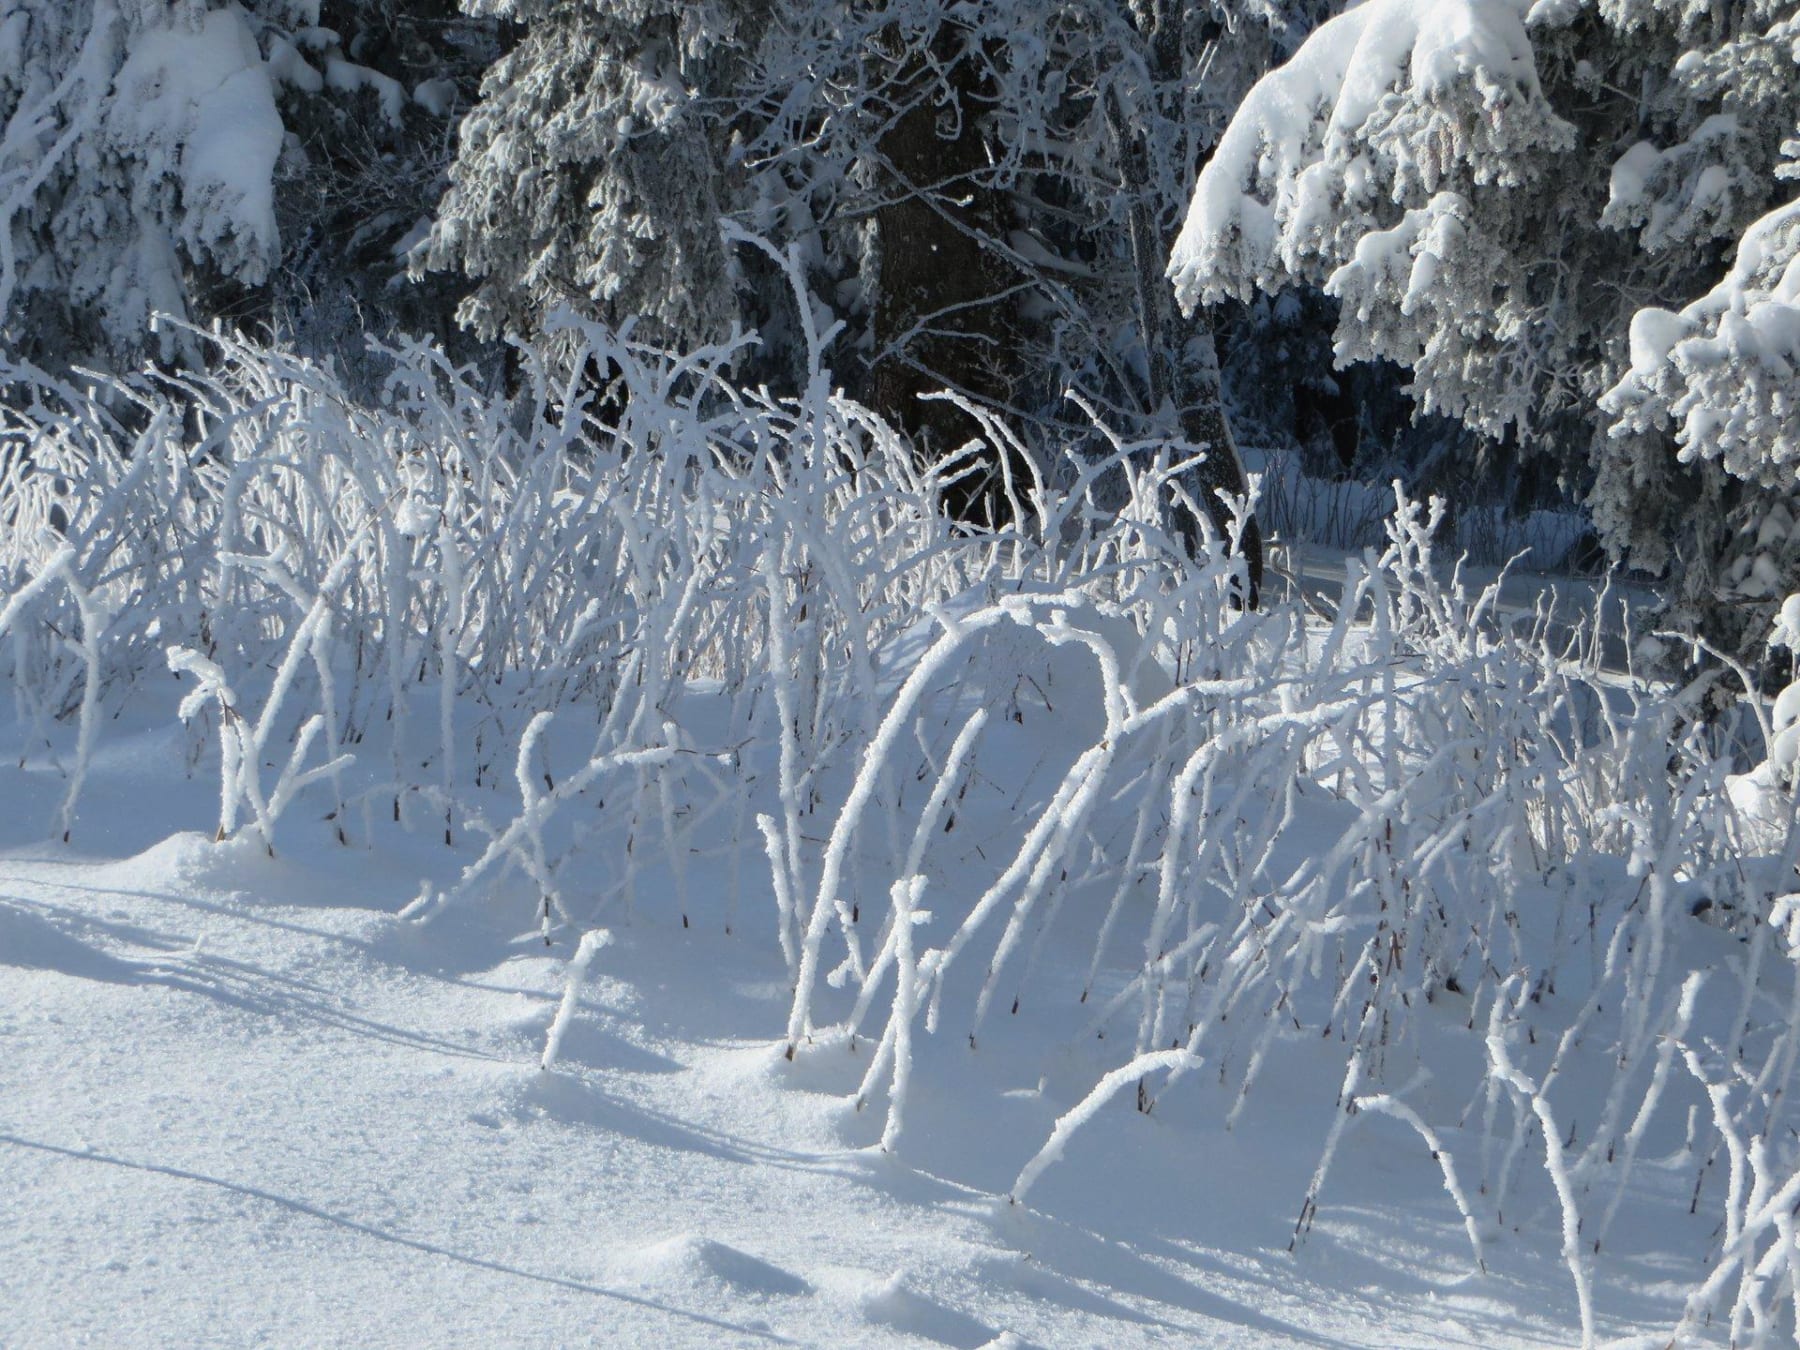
(242, 1103)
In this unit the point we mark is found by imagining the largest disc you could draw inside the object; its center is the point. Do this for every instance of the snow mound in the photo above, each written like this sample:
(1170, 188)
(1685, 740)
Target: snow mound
(188, 861)
(685, 1260)
(891, 1304)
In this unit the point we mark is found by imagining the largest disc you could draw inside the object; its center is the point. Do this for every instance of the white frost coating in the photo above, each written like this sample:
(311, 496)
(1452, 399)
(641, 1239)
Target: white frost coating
(787, 860)
(591, 942)
(907, 914)
(1387, 1104)
(211, 685)
(1177, 1062)
(413, 518)
(53, 570)
(1556, 1164)
(784, 899)
(94, 618)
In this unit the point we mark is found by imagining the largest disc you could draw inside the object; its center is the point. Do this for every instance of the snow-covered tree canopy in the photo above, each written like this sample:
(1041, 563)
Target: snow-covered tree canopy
(1493, 189)
(168, 112)
(1379, 162)
(590, 171)
(608, 143)
(1725, 370)
(146, 146)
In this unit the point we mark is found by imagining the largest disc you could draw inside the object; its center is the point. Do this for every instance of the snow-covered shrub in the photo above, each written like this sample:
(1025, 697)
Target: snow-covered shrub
(601, 641)
(431, 575)
(1268, 832)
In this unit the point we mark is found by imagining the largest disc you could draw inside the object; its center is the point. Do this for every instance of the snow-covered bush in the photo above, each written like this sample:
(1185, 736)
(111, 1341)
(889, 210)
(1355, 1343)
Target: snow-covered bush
(955, 778)
(442, 552)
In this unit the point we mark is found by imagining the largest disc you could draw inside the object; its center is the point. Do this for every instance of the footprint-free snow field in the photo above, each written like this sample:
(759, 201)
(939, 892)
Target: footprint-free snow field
(241, 1103)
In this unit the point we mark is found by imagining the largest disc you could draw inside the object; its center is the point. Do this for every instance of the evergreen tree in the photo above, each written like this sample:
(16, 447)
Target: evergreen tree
(366, 160)
(209, 160)
(1493, 191)
(1723, 373)
(591, 173)
(985, 191)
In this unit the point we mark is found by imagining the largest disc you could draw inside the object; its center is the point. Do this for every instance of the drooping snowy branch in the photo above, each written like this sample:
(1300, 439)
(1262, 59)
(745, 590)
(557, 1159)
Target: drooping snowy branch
(1377, 164)
(1493, 192)
(1725, 370)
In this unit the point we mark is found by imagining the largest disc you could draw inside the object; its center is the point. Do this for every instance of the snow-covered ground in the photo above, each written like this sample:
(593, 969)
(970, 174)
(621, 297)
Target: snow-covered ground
(242, 1103)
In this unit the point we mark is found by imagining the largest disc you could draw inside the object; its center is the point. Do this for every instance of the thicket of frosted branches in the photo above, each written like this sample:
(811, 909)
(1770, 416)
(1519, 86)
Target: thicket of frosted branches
(603, 643)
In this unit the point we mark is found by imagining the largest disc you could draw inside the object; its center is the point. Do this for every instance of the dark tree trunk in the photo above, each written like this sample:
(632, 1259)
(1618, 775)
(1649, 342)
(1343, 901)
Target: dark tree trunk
(1183, 360)
(946, 316)
(943, 316)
